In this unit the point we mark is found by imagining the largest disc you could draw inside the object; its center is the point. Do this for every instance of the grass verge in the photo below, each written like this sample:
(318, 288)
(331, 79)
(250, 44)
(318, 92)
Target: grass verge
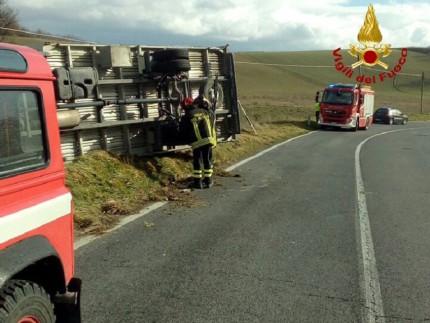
(107, 187)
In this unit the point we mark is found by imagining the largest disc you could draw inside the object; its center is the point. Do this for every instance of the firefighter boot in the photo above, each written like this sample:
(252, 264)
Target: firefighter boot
(207, 182)
(198, 183)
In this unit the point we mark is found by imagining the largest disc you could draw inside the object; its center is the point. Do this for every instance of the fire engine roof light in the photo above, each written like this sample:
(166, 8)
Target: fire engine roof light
(12, 61)
(342, 86)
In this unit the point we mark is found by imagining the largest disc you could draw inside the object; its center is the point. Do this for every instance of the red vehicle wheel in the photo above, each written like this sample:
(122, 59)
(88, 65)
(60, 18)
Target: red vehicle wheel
(29, 319)
(25, 302)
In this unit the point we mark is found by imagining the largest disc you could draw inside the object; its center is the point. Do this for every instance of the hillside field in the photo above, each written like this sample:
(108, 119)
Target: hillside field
(290, 79)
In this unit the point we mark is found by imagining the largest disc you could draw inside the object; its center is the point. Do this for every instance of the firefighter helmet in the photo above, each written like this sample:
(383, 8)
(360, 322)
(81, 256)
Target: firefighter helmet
(187, 103)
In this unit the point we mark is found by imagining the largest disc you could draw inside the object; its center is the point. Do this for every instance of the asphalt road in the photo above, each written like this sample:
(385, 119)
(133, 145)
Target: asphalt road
(329, 227)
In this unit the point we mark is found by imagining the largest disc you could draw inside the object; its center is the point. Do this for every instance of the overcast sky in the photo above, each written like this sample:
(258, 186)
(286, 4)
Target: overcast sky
(246, 25)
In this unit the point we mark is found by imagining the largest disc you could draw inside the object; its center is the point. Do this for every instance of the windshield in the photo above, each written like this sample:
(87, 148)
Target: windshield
(337, 97)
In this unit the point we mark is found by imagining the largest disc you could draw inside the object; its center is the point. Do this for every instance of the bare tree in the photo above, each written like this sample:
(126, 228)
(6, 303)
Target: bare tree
(8, 18)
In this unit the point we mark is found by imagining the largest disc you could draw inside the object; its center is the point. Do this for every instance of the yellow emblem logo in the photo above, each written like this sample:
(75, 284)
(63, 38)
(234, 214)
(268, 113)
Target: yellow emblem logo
(370, 36)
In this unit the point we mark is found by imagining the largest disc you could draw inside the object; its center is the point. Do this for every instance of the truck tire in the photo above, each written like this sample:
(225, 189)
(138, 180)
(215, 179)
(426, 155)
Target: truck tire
(170, 54)
(173, 66)
(207, 88)
(25, 302)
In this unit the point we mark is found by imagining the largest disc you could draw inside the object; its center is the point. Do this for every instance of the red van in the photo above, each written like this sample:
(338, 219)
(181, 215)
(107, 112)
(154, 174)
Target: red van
(37, 282)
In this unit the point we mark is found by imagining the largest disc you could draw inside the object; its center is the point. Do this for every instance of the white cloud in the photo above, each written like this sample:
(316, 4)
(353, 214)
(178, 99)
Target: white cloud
(246, 24)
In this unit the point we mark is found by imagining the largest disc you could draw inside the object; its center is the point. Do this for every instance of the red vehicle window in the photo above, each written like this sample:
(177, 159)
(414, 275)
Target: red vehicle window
(22, 144)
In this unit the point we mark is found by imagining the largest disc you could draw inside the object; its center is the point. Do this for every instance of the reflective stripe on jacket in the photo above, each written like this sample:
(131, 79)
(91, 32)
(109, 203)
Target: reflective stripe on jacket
(197, 127)
(203, 130)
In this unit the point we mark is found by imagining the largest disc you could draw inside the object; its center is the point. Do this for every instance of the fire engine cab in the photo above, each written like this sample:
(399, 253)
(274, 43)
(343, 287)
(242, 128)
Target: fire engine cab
(37, 282)
(347, 106)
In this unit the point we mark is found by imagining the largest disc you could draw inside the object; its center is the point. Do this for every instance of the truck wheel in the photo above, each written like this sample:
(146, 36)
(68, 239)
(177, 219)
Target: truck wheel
(170, 54)
(25, 302)
(174, 66)
(207, 88)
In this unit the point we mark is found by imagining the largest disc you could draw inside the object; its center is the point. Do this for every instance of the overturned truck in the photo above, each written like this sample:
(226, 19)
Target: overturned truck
(126, 99)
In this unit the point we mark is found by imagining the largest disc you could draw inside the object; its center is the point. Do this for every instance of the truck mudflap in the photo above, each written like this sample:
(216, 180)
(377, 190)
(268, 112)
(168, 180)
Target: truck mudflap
(69, 303)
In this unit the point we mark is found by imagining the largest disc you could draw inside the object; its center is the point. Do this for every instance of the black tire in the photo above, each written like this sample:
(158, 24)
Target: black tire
(391, 121)
(357, 125)
(405, 121)
(25, 301)
(207, 88)
(170, 54)
(174, 66)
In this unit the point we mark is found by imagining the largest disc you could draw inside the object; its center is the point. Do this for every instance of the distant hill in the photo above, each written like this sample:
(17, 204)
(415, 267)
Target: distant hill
(32, 40)
(423, 50)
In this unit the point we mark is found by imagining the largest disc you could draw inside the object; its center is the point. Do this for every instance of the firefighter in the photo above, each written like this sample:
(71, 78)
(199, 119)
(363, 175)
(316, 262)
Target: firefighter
(317, 107)
(202, 103)
(196, 127)
(317, 111)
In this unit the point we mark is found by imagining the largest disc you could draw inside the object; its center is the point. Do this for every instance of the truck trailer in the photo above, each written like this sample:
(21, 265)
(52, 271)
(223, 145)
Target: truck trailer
(125, 98)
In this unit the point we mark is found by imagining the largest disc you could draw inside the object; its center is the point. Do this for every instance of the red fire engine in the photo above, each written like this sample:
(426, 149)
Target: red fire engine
(37, 282)
(347, 106)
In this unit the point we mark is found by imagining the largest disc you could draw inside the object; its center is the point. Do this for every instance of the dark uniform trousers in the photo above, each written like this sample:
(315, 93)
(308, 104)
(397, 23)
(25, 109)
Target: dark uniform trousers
(203, 155)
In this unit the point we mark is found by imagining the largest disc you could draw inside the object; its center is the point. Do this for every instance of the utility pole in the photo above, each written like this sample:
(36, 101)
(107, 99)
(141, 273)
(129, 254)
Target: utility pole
(422, 92)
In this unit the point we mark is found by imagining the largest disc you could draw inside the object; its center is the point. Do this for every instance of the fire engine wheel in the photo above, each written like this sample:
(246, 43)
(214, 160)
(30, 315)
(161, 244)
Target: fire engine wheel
(25, 302)
(170, 54)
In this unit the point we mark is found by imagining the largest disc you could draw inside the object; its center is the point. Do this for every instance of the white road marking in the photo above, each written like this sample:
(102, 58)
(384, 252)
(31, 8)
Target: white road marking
(374, 308)
(87, 239)
(229, 169)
